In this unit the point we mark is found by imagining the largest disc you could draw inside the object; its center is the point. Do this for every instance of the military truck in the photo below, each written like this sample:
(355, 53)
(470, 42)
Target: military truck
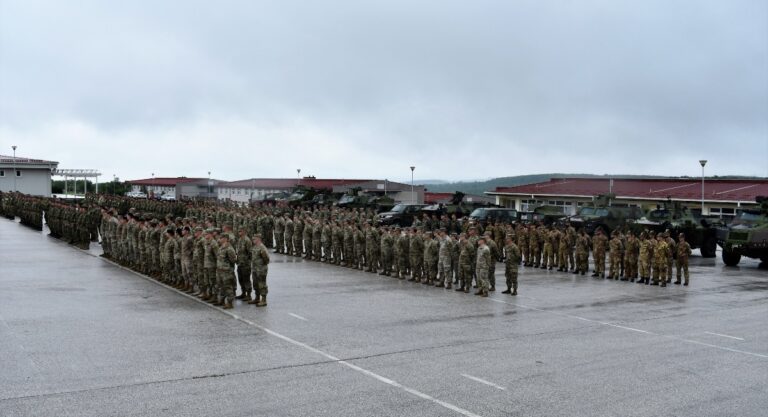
(400, 215)
(700, 232)
(544, 214)
(601, 214)
(356, 198)
(308, 196)
(456, 206)
(747, 235)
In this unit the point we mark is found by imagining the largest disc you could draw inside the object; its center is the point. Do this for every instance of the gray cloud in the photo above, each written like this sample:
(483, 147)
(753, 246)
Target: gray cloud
(364, 89)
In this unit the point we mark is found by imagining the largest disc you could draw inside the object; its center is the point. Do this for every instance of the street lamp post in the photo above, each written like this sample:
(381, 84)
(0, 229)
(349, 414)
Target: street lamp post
(702, 162)
(153, 185)
(298, 177)
(413, 196)
(14, 168)
(209, 184)
(114, 183)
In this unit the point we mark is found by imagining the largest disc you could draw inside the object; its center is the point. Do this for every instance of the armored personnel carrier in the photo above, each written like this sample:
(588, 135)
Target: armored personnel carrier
(601, 214)
(700, 232)
(746, 236)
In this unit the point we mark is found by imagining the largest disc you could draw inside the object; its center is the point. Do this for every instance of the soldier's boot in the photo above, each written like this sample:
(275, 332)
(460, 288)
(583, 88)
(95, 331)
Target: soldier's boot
(461, 288)
(594, 274)
(211, 298)
(678, 281)
(479, 292)
(492, 289)
(663, 283)
(247, 296)
(241, 296)
(255, 299)
(203, 295)
(227, 305)
(602, 275)
(426, 281)
(685, 284)
(440, 284)
(631, 280)
(507, 291)
(218, 302)
(448, 285)
(262, 302)
(466, 290)
(485, 294)
(576, 272)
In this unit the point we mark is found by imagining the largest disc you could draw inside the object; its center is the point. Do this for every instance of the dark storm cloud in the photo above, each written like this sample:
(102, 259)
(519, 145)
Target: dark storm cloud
(350, 88)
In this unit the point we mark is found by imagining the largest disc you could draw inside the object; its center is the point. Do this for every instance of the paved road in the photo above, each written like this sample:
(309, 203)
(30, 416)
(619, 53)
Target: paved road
(80, 336)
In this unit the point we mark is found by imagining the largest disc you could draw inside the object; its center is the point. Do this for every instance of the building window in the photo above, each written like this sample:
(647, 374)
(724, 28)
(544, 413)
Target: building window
(18, 172)
(2, 173)
(722, 211)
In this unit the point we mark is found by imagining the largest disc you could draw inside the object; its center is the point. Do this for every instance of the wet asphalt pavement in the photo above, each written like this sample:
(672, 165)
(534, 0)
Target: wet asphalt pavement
(80, 336)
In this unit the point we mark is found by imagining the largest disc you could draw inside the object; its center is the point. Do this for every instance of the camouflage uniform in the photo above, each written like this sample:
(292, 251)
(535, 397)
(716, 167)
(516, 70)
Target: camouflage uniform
(511, 265)
(683, 252)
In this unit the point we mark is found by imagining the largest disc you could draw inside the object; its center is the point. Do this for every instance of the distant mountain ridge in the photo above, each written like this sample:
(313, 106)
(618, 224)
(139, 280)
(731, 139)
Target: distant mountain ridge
(480, 187)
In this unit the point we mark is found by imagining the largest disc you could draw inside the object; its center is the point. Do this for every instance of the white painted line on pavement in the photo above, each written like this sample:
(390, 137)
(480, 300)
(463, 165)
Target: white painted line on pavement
(349, 365)
(694, 342)
(297, 316)
(725, 335)
(482, 381)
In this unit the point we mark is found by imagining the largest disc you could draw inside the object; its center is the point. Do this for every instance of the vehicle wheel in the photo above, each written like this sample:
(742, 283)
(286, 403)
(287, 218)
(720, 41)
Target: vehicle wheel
(731, 258)
(709, 248)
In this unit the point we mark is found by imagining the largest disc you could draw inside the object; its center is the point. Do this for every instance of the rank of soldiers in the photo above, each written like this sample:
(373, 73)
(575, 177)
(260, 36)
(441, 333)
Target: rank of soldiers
(209, 249)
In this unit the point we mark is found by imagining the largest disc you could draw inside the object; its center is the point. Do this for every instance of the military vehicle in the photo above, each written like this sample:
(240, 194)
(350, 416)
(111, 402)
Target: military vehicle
(544, 214)
(700, 232)
(484, 216)
(400, 215)
(601, 214)
(356, 198)
(308, 196)
(747, 235)
(457, 206)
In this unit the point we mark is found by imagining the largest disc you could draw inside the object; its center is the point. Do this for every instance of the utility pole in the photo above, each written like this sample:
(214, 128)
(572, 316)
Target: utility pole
(298, 177)
(14, 168)
(702, 162)
(413, 196)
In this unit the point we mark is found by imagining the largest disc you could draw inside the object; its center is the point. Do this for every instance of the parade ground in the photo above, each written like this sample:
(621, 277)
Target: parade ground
(80, 336)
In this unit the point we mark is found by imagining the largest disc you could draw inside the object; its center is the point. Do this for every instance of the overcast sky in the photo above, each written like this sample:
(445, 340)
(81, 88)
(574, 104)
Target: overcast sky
(364, 89)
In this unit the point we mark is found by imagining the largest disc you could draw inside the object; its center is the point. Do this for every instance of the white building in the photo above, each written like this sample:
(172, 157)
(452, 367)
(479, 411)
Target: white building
(26, 175)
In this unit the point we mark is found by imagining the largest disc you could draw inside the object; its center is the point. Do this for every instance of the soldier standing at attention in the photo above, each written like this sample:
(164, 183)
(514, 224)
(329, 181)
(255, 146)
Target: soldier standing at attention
(169, 251)
(187, 247)
(416, 255)
(582, 253)
(615, 249)
(511, 265)
(495, 255)
(243, 249)
(288, 235)
(482, 266)
(599, 241)
(259, 267)
(209, 266)
(672, 245)
(431, 258)
(644, 259)
(660, 260)
(630, 257)
(683, 252)
(522, 243)
(445, 255)
(225, 268)
(280, 235)
(198, 250)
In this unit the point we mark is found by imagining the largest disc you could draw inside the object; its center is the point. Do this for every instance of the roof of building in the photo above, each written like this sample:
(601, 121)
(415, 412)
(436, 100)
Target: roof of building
(24, 161)
(165, 181)
(685, 189)
(287, 183)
